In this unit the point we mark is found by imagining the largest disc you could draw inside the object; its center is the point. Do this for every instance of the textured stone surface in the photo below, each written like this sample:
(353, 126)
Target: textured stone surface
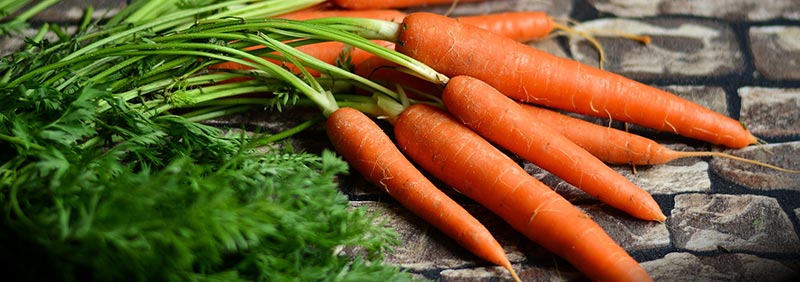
(732, 223)
(679, 48)
(776, 51)
(727, 267)
(658, 179)
(661, 179)
(785, 155)
(783, 104)
(630, 233)
(423, 247)
(754, 10)
(555, 8)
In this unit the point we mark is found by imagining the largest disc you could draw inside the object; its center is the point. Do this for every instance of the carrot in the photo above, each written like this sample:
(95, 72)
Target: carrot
(462, 159)
(520, 26)
(531, 75)
(502, 121)
(381, 70)
(370, 151)
(616, 146)
(331, 51)
(383, 4)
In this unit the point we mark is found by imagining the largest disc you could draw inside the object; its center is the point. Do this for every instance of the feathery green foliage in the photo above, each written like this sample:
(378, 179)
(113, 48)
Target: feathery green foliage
(99, 181)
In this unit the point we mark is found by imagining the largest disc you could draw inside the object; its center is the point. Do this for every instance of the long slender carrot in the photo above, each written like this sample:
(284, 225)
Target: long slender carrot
(520, 26)
(370, 151)
(462, 159)
(383, 4)
(616, 146)
(530, 75)
(502, 121)
(331, 51)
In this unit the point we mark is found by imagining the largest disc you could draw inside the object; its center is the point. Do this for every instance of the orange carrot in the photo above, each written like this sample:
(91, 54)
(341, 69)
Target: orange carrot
(530, 75)
(470, 164)
(383, 4)
(331, 51)
(381, 70)
(370, 151)
(520, 26)
(502, 121)
(616, 146)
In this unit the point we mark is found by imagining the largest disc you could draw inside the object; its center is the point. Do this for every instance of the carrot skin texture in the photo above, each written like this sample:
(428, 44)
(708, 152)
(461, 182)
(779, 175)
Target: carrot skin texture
(520, 26)
(364, 145)
(502, 121)
(533, 76)
(609, 144)
(464, 160)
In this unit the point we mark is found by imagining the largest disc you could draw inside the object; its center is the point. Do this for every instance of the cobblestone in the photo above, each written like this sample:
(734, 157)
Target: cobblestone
(776, 51)
(727, 267)
(757, 177)
(756, 101)
(703, 222)
(752, 10)
(680, 48)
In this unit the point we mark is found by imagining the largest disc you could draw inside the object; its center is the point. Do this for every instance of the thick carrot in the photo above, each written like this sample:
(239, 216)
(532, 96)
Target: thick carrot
(464, 160)
(521, 26)
(616, 146)
(531, 75)
(383, 4)
(502, 121)
(369, 150)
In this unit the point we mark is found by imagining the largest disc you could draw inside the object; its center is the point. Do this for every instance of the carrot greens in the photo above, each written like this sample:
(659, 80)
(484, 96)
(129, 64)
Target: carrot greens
(107, 174)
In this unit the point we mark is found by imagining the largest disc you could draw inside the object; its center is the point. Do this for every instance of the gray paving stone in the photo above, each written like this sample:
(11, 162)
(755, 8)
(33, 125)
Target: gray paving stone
(776, 51)
(668, 179)
(771, 112)
(731, 223)
(497, 274)
(785, 155)
(727, 267)
(478, 274)
(630, 233)
(424, 248)
(658, 179)
(680, 48)
(753, 10)
(554, 8)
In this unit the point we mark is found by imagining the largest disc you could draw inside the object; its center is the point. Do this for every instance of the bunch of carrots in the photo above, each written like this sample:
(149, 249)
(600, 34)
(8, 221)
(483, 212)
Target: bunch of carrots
(492, 90)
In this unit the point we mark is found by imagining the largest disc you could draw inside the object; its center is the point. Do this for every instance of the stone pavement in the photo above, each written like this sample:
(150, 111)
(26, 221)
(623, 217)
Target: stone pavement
(727, 221)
